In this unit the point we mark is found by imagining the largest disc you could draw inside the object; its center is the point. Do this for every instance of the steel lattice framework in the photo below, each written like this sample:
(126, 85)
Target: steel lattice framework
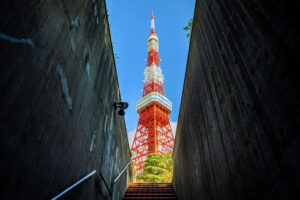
(153, 133)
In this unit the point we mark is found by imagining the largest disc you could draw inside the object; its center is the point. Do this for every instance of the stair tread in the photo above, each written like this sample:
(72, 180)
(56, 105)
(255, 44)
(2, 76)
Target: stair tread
(150, 193)
(150, 183)
(158, 188)
(153, 196)
(145, 191)
(151, 190)
(142, 198)
(151, 186)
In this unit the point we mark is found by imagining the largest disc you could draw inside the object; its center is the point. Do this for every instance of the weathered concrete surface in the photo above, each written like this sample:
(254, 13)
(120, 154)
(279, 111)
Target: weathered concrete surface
(58, 83)
(238, 129)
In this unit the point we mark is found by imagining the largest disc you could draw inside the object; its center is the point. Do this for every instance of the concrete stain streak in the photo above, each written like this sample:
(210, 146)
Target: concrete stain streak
(105, 123)
(3, 36)
(64, 86)
(92, 142)
(111, 121)
(72, 44)
(95, 10)
(88, 67)
(75, 22)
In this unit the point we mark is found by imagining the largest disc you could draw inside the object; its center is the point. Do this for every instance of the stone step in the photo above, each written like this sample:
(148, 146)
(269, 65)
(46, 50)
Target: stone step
(150, 191)
(142, 198)
(136, 187)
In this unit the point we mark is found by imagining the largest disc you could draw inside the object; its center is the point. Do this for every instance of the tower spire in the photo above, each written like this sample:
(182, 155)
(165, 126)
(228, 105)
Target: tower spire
(152, 23)
(153, 58)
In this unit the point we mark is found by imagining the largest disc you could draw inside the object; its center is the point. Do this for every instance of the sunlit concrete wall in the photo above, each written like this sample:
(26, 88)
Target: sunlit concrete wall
(238, 129)
(58, 83)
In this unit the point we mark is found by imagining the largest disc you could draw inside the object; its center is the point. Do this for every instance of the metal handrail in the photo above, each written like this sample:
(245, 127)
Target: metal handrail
(74, 185)
(88, 176)
(117, 178)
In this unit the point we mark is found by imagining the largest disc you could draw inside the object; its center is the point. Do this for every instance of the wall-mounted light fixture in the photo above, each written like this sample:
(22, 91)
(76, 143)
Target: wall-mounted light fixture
(121, 106)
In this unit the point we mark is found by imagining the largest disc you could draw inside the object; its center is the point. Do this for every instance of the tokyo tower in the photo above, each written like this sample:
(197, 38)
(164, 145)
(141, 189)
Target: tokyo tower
(153, 133)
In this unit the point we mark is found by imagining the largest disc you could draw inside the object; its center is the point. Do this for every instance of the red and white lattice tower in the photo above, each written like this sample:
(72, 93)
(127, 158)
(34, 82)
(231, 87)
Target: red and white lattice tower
(153, 133)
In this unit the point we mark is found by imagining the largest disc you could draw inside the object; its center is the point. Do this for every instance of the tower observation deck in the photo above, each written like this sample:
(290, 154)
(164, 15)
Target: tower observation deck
(153, 133)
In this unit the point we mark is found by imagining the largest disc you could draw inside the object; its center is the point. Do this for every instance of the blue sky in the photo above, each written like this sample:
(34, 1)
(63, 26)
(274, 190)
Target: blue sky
(130, 26)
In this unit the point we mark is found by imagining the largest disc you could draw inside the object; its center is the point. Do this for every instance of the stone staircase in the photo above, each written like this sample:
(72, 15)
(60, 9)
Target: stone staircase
(150, 191)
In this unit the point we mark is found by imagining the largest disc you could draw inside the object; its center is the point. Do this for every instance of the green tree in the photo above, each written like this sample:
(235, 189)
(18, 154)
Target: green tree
(189, 28)
(157, 169)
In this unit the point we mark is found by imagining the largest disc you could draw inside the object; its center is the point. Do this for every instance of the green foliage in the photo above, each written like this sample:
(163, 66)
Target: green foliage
(115, 55)
(189, 28)
(157, 169)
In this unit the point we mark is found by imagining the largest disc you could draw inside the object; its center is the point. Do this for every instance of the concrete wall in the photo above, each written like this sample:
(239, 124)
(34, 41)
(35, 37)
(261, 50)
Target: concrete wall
(238, 130)
(58, 83)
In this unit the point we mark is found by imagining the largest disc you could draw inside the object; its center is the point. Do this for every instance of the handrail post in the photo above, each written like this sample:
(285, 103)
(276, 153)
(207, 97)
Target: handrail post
(106, 185)
(112, 190)
(117, 178)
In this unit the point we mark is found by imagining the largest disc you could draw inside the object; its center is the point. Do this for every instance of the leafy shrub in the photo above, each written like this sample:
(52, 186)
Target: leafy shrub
(157, 169)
